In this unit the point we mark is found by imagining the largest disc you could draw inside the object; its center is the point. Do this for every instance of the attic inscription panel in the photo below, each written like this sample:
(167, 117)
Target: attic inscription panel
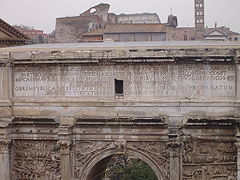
(149, 80)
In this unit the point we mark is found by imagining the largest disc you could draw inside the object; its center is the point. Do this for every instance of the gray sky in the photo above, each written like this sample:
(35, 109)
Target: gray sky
(42, 14)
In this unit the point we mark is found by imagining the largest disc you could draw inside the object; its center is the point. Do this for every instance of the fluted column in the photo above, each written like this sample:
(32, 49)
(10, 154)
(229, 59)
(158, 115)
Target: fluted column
(4, 160)
(175, 160)
(174, 144)
(65, 144)
(65, 157)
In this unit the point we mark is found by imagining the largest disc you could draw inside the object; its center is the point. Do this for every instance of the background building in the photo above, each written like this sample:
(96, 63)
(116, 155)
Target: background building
(138, 18)
(97, 24)
(36, 36)
(135, 32)
(9, 36)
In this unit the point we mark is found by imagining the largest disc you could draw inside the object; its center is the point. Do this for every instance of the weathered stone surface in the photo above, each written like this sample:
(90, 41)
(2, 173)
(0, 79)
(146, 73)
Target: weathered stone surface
(191, 81)
(62, 118)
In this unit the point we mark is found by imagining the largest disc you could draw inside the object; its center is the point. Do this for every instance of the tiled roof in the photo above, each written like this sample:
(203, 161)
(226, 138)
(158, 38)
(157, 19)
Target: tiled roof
(8, 29)
(222, 29)
(135, 28)
(217, 30)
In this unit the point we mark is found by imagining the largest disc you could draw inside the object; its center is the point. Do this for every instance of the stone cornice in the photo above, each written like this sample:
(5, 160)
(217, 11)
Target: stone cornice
(122, 54)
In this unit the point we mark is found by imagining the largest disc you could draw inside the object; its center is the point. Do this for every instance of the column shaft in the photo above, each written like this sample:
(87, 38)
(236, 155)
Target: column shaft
(4, 160)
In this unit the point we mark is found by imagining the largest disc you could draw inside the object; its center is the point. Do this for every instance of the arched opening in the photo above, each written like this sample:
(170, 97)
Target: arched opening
(98, 167)
(122, 167)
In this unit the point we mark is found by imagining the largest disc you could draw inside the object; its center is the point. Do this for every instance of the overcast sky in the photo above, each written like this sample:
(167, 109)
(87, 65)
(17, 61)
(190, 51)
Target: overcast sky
(42, 14)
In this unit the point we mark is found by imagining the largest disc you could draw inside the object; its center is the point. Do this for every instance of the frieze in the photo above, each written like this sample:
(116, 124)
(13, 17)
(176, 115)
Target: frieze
(33, 160)
(209, 160)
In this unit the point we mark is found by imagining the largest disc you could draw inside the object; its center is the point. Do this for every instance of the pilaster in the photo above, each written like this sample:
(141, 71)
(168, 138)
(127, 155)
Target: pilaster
(5, 81)
(5, 89)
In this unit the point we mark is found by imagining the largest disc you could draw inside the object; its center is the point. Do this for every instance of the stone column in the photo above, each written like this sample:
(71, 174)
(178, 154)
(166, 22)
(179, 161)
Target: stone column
(175, 122)
(4, 160)
(175, 160)
(65, 156)
(65, 144)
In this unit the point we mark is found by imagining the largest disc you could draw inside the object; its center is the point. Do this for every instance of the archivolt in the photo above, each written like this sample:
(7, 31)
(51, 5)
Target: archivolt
(95, 167)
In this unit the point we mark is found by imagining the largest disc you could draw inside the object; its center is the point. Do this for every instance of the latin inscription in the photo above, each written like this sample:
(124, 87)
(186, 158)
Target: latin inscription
(186, 81)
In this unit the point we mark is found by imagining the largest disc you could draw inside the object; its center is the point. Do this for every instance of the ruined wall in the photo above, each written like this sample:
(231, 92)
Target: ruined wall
(70, 29)
(126, 37)
(138, 18)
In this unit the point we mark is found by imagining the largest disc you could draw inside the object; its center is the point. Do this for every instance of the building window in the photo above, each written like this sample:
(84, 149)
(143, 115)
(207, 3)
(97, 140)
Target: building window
(199, 13)
(236, 39)
(118, 87)
(185, 38)
(200, 21)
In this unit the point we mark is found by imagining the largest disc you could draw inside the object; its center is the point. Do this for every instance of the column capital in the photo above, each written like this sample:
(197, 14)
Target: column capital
(65, 146)
(4, 146)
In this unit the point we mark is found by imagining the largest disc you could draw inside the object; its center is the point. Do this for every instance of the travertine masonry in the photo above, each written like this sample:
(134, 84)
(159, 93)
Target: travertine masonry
(62, 116)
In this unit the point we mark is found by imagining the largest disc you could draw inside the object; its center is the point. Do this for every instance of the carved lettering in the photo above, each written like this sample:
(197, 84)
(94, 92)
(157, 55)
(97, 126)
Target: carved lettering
(192, 80)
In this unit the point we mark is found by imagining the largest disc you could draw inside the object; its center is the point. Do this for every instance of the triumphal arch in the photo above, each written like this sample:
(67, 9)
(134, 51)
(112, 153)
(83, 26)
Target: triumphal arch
(67, 109)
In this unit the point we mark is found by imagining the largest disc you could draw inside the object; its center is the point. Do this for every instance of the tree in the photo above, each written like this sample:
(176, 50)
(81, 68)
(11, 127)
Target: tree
(129, 169)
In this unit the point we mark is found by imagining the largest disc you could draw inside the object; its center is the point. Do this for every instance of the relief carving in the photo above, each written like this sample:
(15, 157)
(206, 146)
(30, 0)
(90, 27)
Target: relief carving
(208, 160)
(35, 160)
(157, 151)
(84, 151)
